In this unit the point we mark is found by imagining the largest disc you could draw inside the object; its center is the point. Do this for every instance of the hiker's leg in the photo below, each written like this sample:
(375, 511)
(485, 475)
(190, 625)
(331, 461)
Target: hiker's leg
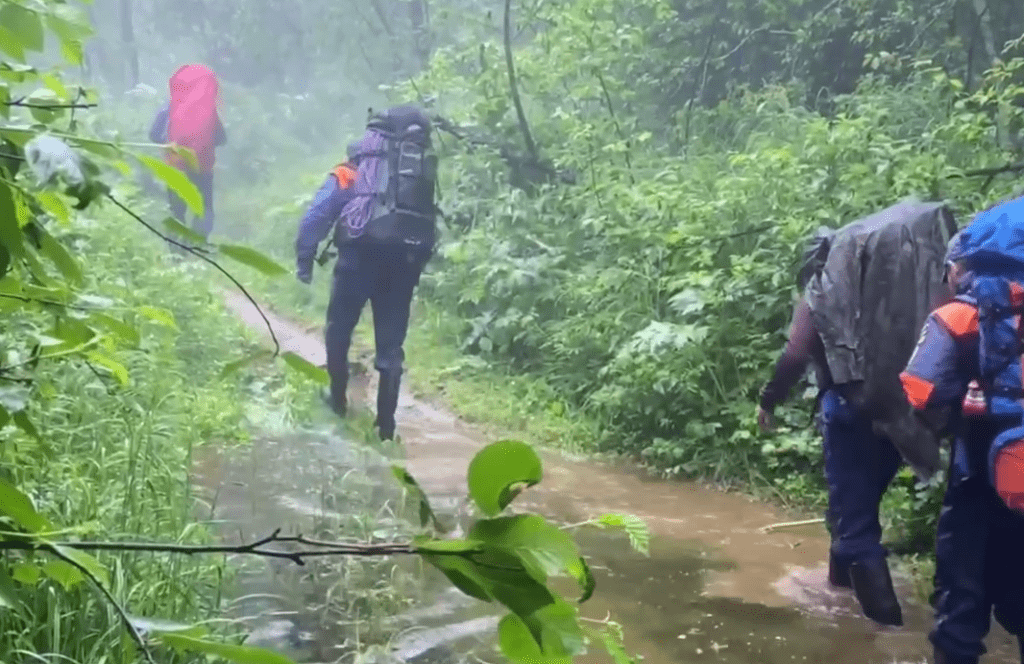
(349, 293)
(204, 183)
(178, 212)
(963, 606)
(1004, 572)
(858, 467)
(399, 273)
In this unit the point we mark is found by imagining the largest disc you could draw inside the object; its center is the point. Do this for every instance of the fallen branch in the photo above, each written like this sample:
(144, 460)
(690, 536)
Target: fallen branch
(790, 524)
(988, 172)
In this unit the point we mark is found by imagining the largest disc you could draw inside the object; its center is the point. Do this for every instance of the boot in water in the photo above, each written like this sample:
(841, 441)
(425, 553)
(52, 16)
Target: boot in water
(838, 575)
(338, 404)
(872, 584)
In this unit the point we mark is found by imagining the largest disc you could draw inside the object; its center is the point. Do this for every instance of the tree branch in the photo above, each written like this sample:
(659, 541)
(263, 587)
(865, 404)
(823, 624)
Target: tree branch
(256, 548)
(200, 253)
(988, 172)
(20, 102)
(531, 147)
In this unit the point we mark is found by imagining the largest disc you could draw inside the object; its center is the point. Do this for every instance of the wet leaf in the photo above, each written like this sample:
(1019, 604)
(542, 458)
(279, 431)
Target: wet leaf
(232, 653)
(86, 562)
(116, 369)
(11, 45)
(182, 231)
(413, 487)
(25, 24)
(636, 529)
(64, 573)
(22, 421)
(158, 315)
(123, 330)
(520, 643)
(19, 507)
(10, 231)
(463, 575)
(306, 368)
(64, 261)
(499, 471)
(544, 549)
(8, 591)
(236, 365)
(177, 181)
(252, 258)
(26, 574)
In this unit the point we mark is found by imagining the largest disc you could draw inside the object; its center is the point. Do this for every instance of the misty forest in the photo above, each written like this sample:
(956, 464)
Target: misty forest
(625, 187)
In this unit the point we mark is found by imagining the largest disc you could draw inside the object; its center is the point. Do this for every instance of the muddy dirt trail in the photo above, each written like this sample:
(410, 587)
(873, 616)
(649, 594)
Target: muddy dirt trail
(715, 588)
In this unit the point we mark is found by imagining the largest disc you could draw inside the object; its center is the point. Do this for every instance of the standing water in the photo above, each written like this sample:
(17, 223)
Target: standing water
(715, 588)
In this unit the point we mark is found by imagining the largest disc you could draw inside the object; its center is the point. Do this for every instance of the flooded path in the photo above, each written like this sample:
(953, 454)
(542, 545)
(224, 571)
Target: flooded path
(714, 589)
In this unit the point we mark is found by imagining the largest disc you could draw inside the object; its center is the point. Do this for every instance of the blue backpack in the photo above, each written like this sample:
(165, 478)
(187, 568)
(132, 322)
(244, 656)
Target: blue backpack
(992, 249)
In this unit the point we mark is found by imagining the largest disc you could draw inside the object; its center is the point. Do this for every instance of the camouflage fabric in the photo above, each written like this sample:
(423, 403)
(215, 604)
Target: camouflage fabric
(882, 277)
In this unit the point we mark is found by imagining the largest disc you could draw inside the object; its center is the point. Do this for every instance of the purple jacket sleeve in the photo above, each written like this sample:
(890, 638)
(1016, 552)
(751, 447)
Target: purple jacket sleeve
(794, 360)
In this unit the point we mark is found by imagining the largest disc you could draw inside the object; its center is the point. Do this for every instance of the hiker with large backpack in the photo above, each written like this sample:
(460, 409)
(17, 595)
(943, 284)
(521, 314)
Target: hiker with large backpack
(966, 377)
(866, 289)
(384, 230)
(190, 120)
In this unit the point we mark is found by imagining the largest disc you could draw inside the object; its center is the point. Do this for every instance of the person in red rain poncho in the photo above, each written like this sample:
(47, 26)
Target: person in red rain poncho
(190, 120)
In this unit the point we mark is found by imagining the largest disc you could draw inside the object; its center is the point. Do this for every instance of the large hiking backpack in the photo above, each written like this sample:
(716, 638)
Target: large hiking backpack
(395, 185)
(192, 115)
(992, 251)
(882, 277)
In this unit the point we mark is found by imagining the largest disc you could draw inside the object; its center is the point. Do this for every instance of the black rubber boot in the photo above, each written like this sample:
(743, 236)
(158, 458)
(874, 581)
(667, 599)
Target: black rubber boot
(838, 575)
(872, 584)
(941, 657)
(337, 403)
(387, 404)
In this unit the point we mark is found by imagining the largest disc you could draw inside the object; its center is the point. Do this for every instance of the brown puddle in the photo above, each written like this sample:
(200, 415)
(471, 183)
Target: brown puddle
(714, 589)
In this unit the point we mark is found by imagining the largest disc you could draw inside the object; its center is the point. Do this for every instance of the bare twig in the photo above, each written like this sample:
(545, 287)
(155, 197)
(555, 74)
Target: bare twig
(615, 122)
(697, 84)
(256, 548)
(790, 524)
(139, 641)
(22, 103)
(199, 253)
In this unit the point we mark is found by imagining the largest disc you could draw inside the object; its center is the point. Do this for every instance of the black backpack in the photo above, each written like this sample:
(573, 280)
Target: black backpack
(403, 211)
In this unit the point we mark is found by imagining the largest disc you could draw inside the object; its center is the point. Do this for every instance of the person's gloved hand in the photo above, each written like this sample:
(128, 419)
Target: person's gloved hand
(765, 420)
(305, 275)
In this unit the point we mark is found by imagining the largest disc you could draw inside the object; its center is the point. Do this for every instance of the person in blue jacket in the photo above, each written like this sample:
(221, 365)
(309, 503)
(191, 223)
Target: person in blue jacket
(979, 539)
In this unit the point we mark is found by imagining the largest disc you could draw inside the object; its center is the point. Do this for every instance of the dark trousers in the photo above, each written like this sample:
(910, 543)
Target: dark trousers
(979, 550)
(204, 183)
(859, 466)
(386, 277)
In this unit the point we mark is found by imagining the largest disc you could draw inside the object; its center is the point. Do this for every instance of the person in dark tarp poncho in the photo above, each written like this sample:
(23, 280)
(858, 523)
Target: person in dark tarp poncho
(866, 288)
(979, 538)
(855, 485)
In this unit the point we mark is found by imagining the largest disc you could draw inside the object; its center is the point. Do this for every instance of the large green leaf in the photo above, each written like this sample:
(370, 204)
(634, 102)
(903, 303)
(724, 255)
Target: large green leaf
(10, 230)
(237, 365)
(64, 261)
(499, 471)
(86, 562)
(116, 369)
(177, 181)
(8, 591)
(232, 653)
(306, 368)
(519, 645)
(544, 549)
(19, 507)
(464, 575)
(64, 573)
(183, 231)
(125, 332)
(252, 258)
(25, 24)
(158, 315)
(636, 529)
(413, 487)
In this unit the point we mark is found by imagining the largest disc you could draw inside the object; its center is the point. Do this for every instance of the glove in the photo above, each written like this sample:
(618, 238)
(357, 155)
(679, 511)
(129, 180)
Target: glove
(305, 276)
